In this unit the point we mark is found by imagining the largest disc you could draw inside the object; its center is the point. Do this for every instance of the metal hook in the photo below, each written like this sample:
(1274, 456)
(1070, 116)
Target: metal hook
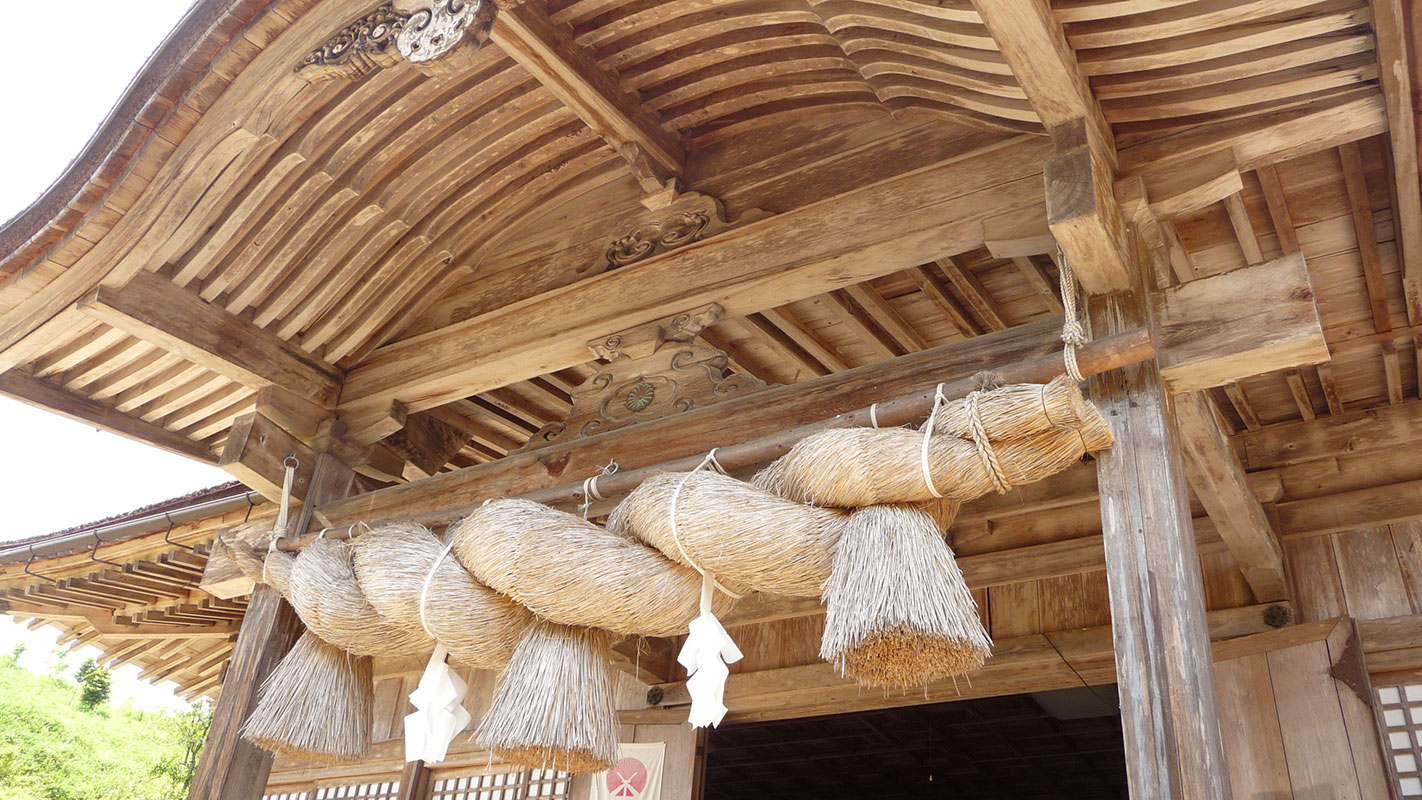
(29, 571)
(250, 505)
(169, 532)
(94, 554)
(291, 461)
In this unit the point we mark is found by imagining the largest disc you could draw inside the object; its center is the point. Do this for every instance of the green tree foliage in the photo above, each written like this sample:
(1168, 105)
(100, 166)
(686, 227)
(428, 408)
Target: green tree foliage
(190, 730)
(94, 683)
(50, 749)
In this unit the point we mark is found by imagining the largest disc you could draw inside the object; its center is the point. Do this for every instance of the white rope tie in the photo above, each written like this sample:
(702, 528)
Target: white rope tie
(984, 448)
(710, 460)
(927, 437)
(425, 587)
(1073, 334)
(590, 492)
(283, 509)
(874, 415)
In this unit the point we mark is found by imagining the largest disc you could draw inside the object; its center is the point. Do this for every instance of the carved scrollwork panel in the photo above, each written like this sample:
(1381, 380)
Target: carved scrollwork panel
(652, 371)
(690, 218)
(422, 34)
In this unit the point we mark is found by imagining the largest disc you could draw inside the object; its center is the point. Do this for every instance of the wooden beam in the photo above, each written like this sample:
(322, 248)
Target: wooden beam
(888, 317)
(254, 454)
(572, 76)
(157, 311)
(1161, 641)
(48, 397)
(427, 444)
(1019, 664)
(1243, 228)
(1082, 211)
(938, 293)
(873, 231)
(974, 292)
(1248, 321)
(1220, 484)
(1278, 208)
(1036, 277)
(1396, 76)
(768, 412)
(1035, 47)
(1353, 433)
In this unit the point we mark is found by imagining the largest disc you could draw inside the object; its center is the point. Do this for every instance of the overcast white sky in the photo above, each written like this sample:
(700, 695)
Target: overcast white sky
(55, 473)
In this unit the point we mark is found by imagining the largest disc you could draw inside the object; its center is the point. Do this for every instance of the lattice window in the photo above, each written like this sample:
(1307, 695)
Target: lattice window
(1401, 708)
(537, 783)
(287, 796)
(388, 790)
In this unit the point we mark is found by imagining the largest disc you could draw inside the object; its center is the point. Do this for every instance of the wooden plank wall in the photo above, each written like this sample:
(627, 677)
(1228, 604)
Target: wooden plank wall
(1290, 729)
(1370, 573)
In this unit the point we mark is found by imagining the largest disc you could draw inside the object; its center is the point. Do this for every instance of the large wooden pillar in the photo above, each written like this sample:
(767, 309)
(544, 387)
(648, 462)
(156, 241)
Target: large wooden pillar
(230, 767)
(1162, 646)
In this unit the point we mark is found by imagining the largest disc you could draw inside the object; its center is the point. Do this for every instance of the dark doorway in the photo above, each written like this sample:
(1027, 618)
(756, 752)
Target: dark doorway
(1059, 744)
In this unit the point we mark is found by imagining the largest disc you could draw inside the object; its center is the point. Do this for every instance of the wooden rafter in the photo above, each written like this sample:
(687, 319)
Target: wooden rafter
(571, 75)
(155, 310)
(49, 397)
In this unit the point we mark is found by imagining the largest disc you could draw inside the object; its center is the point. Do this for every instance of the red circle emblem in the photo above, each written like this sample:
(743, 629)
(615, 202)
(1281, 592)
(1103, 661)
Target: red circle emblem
(627, 779)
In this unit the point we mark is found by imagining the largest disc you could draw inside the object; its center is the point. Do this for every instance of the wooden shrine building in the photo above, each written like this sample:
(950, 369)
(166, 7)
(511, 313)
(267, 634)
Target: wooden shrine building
(442, 253)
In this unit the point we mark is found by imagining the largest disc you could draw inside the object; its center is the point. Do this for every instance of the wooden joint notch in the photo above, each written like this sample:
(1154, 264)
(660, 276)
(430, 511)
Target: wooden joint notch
(1082, 211)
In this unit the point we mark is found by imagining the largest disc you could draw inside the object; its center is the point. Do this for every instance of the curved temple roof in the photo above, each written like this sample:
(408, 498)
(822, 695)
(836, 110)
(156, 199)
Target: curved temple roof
(325, 211)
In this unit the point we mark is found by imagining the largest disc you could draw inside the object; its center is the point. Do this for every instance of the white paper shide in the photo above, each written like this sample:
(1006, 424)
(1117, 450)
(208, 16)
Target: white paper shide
(439, 711)
(707, 651)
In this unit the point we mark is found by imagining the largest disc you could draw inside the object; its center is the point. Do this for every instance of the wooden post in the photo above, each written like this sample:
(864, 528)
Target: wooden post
(415, 781)
(1162, 645)
(230, 767)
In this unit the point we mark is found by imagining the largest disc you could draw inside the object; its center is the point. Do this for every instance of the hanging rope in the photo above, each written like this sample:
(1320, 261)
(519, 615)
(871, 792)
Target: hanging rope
(279, 531)
(984, 448)
(709, 460)
(938, 399)
(1073, 334)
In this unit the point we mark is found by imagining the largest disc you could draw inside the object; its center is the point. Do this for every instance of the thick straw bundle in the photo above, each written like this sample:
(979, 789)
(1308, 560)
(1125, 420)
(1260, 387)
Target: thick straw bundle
(898, 610)
(741, 534)
(857, 467)
(553, 706)
(1022, 409)
(325, 594)
(568, 570)
(476, 624)
(276, 572)
(317, 702)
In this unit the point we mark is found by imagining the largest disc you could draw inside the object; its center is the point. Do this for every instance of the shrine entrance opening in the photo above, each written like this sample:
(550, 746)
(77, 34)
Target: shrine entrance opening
(1065, 743)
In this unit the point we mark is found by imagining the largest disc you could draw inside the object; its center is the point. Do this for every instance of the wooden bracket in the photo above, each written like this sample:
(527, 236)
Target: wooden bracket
(437, 36)
(653, 371)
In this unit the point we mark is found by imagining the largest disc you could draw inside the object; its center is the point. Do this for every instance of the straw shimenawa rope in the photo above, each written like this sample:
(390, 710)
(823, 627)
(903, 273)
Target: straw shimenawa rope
(745, 536)
(477, 625)
(570, 571)
(899, 611)
(553, 705)
(316, 703)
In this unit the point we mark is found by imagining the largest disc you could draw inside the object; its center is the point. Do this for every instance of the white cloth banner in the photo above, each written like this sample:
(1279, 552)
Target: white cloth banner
(439, 711)
(637, 776)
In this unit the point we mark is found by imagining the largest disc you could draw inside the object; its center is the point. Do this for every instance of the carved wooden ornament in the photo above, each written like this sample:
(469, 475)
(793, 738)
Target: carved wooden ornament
(419, 31)
(689, 218)
(652, 371)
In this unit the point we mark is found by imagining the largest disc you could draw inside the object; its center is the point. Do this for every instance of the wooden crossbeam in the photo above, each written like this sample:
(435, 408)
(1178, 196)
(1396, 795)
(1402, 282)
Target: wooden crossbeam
(866, 233)
(1082, 210)
(552, 57)
(1022, 663)
(157, 311)
(49, 397)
